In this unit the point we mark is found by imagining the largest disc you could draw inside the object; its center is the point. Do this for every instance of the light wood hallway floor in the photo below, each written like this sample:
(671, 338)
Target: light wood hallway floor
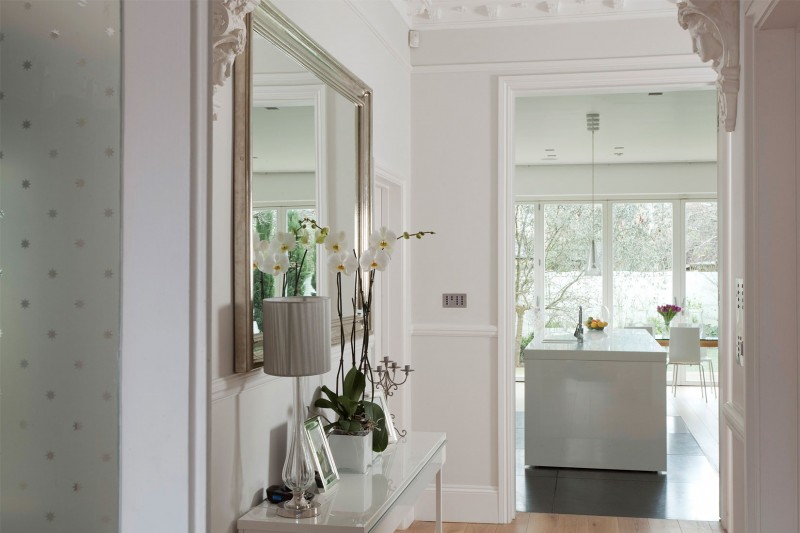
(553, 523)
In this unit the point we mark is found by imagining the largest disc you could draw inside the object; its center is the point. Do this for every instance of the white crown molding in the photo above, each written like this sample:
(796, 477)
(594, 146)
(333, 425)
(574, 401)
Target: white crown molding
(228, 39)
(403, 60)
(453, 330)
(433, 15)
(714, 28)
(566, 66)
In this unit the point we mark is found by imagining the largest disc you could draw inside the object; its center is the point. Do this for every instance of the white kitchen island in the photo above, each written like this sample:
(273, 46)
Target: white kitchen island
(600, 404)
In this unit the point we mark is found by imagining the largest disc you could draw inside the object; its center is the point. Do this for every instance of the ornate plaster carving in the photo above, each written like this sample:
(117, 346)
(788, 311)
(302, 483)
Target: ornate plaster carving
(714, 27)
(229, 34)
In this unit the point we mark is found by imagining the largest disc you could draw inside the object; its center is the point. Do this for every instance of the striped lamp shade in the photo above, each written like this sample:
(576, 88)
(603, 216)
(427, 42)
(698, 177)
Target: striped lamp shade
(297, 336)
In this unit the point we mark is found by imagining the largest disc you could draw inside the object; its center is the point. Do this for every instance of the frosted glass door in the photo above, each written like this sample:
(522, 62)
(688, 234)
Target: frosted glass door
(60, 261)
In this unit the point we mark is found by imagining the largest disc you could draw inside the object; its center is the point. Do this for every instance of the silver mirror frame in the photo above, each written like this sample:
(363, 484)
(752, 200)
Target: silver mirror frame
(270, 23)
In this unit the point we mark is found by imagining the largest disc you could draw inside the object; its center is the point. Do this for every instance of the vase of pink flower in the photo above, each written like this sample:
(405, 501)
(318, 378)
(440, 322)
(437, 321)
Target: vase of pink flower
(668, 312)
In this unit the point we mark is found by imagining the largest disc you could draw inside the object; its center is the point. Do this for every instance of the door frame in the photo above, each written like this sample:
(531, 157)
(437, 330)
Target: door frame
(683, 72)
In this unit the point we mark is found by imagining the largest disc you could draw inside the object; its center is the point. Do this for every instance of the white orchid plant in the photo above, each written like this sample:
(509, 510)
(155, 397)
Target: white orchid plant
(271, 257)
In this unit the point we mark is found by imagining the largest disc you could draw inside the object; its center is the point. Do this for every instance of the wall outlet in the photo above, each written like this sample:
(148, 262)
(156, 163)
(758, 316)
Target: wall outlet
(454, 300)
(740, 321)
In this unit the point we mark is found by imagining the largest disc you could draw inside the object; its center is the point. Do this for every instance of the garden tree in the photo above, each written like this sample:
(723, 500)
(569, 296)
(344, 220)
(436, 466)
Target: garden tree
(524, 239)
(264, 285)
(702, 289)
(567, 239)
(701, 237)
(264, 223)
(642, 261)
(568, 236)
(307, 284)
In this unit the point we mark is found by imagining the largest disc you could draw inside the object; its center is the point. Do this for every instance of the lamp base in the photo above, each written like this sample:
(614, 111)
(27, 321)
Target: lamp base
(288, 509)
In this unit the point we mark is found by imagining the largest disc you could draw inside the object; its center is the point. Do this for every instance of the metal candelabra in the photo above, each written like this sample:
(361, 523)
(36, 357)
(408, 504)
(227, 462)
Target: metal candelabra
(388, 381)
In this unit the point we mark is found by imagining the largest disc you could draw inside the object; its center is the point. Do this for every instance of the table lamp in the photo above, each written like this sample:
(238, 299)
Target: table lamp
(297, 343)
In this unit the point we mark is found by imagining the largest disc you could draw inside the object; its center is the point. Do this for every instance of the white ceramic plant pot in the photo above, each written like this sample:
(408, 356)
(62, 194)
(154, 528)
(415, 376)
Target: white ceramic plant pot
(352, 453)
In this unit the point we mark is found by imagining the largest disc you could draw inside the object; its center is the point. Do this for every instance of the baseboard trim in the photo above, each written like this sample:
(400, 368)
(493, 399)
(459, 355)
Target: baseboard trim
(733, 416)
(460, 503)
(452, 330)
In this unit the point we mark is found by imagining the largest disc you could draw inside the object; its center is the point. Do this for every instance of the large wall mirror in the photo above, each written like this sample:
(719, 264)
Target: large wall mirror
(302, 148)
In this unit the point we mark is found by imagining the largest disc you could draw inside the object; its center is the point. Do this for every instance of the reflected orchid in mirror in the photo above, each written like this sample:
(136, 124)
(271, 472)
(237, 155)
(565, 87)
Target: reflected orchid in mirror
(307, 238)
(272, 263)
(284, 242)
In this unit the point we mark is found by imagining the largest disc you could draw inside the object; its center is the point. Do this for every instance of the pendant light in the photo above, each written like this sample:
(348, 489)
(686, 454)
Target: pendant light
(592, 266)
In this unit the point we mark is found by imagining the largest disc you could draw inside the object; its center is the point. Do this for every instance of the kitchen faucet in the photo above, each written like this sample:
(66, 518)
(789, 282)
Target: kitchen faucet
(579, 329)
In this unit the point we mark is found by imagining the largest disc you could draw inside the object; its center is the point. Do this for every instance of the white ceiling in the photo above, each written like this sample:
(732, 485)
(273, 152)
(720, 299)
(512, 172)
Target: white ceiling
(441, 14)
(679, 126)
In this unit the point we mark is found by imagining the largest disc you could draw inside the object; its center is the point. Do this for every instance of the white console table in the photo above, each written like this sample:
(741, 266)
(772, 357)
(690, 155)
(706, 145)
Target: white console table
(374, 502)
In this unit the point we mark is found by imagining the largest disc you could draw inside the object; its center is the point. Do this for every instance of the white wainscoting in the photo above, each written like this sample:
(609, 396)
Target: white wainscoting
(460, 503)
(453, 330)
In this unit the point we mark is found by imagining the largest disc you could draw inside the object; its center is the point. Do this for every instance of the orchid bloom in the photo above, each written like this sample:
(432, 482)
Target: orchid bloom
(256, 239)
(336, 242)
(272, 263)
(343, 262)
(283, 242)
(374, 259)
(383, 239)
(322, 234)
(307, 238)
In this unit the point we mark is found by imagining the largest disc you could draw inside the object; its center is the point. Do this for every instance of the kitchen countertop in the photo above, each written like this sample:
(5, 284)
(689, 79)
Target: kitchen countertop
(610, 345)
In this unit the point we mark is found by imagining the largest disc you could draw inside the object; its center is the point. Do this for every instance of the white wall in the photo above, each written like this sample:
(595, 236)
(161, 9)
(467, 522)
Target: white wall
(249, 413)
(284, 187)
(455, 192)
(163, 357)
(772, 273)
(616, 181)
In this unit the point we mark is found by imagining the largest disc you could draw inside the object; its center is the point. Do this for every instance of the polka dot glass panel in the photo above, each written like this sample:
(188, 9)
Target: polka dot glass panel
(60, 257)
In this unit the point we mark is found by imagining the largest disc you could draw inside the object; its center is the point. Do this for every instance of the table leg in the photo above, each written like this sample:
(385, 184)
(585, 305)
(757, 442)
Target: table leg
(439, 501)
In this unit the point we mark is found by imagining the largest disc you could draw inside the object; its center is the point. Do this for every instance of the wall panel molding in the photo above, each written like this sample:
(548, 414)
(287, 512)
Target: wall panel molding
(683, 61)
(453, 330)
(733, 415)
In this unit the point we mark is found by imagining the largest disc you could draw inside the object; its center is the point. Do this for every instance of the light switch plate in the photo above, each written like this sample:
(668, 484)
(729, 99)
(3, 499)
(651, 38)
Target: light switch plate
(740, 321)
(454, 300)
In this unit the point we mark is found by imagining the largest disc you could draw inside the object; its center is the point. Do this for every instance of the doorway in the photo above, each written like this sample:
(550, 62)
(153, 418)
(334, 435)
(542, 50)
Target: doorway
(682, 439)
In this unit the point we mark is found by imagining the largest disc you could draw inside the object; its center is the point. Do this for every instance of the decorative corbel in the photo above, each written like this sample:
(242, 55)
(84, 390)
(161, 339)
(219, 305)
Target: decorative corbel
(229, 36)
(714, 27)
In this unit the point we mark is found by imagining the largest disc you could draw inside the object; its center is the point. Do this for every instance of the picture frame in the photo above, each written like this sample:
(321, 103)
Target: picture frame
(379, 398)
(325, 473)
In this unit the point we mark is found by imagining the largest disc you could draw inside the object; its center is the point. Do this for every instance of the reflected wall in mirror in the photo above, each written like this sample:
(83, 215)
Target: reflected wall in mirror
(302, 149)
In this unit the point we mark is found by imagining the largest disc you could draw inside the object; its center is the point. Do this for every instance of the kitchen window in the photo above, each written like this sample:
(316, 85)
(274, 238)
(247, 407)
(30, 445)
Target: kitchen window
(653, 251)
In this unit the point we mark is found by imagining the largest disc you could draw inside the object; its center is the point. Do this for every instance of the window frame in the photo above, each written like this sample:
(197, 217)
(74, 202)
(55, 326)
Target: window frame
(678, 239)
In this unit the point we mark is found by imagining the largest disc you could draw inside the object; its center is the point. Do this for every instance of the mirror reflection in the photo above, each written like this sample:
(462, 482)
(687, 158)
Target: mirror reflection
(307, 155)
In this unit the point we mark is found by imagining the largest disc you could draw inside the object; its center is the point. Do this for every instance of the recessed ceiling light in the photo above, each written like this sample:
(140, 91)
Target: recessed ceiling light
(619, 148)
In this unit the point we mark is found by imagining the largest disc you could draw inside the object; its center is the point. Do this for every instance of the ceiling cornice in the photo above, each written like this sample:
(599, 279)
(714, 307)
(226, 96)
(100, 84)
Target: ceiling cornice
(459, 14)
